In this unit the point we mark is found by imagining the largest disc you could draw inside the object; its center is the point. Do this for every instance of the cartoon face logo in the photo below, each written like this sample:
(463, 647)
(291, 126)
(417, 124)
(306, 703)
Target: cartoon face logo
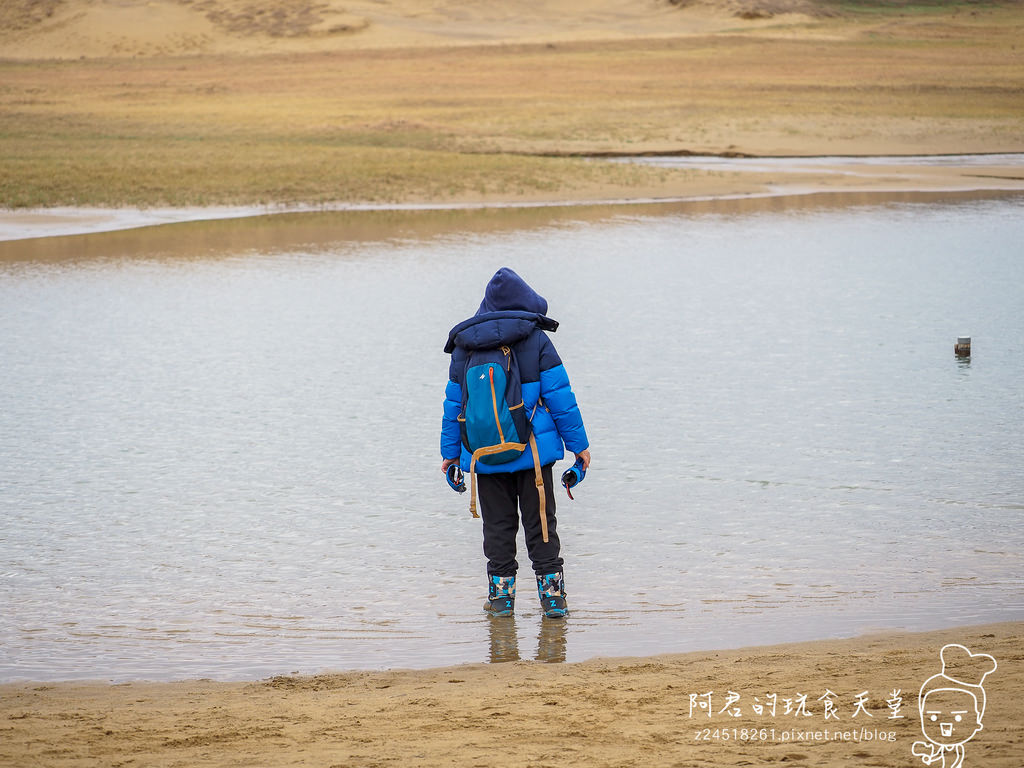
(951, 704)
(949, 716)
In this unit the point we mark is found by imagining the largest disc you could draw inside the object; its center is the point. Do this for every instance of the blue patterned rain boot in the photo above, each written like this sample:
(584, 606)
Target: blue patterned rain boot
(501, 595)
(551, 589)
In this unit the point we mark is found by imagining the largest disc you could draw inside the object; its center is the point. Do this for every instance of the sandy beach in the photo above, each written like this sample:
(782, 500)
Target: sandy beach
(603, 712)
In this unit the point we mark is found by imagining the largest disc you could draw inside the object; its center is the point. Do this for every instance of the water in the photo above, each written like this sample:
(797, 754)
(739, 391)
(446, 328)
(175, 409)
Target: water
(218, 451)
(909, 166)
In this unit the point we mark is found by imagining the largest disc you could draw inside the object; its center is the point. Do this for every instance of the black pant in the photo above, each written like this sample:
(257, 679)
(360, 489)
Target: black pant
(502, 496)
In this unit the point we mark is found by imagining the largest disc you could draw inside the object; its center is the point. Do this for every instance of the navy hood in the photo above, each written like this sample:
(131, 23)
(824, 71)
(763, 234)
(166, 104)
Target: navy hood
(495, 329)
(507, 290)
(511, 311)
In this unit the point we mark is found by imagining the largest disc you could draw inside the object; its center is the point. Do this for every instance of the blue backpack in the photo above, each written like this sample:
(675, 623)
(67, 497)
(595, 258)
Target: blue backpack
(494, 424)
(495, 428)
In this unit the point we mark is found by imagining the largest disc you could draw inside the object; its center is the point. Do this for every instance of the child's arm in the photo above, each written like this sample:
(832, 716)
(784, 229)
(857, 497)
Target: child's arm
(557, 394)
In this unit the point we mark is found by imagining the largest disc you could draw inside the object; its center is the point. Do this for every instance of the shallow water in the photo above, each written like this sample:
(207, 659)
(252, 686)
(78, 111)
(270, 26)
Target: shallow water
(218, 454)
(839, 164)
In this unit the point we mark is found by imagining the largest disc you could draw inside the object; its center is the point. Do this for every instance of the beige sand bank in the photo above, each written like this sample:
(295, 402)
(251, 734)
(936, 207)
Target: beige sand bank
(604, 712)
(43, 29)
(489, 103)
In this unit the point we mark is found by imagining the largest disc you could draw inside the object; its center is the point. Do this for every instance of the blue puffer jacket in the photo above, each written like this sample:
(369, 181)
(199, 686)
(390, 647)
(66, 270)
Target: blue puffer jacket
(513, 314)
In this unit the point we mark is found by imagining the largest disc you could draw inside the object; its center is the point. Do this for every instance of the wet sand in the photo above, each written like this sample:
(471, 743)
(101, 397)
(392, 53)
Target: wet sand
(603, 712)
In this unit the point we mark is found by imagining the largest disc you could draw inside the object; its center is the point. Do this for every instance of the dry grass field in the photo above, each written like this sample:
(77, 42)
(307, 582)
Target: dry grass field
(281, 102)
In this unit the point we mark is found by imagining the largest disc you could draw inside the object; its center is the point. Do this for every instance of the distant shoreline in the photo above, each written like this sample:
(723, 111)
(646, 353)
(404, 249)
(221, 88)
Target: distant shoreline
(326, 122)
(879, 175)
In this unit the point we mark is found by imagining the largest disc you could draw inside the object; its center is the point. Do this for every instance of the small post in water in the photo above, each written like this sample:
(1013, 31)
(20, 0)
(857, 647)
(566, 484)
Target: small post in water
(963, 346)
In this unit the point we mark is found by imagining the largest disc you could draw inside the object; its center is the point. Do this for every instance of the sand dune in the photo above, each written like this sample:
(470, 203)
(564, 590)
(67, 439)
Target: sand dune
(41, 29)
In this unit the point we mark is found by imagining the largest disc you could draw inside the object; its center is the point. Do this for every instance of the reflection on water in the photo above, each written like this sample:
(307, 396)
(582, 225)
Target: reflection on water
(218, 457)
(550, 640)
(504, 640)
(299, 232)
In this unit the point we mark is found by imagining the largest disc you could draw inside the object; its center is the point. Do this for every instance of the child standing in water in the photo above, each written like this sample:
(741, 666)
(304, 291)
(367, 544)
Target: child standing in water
(513, 315)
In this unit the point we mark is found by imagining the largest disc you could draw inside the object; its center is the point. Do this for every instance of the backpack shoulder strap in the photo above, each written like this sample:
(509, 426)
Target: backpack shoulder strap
(538, 479)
